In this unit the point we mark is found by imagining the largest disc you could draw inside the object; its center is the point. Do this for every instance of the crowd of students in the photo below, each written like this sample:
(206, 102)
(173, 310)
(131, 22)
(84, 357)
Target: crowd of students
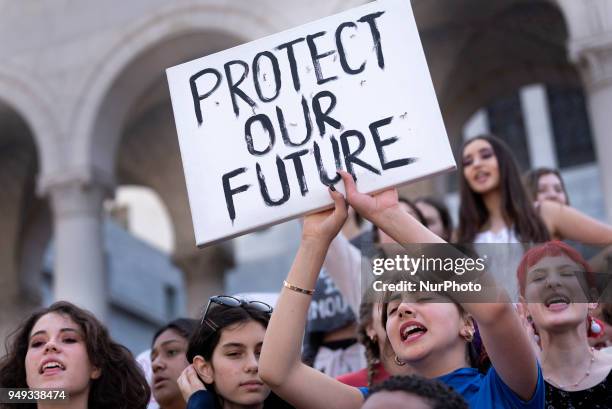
(549, 349)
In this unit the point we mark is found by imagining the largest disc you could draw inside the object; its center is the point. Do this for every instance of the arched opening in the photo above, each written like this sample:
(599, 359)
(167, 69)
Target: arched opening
(25, 223)
(519, 44)
(482, 54)
(141, 211)
(140, 144)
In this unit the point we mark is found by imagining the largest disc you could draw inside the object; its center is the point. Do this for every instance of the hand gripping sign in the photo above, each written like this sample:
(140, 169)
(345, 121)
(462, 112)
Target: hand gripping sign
(263, 126)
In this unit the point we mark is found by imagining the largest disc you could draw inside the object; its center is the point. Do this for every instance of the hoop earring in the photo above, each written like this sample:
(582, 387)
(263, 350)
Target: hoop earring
(398, 361)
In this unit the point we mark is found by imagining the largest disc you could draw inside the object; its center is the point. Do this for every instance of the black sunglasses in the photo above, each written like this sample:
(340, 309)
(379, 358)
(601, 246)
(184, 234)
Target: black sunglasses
(229, 301)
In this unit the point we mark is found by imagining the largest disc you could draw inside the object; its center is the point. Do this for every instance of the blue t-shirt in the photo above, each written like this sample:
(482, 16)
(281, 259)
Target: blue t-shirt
(485, 391)
(201, 399)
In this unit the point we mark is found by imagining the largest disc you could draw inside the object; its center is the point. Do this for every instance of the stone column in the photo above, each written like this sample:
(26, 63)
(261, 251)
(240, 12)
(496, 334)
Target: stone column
(590, 48)
(540, 138)
(80, 273)
(595, 63)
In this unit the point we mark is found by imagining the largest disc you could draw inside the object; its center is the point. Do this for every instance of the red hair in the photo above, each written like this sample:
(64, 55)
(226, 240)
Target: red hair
(553, 249)
(550, 249)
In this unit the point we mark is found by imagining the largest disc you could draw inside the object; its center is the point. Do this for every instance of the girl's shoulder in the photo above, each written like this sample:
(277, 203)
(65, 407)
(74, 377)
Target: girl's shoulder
(488, 390)
(503, 396)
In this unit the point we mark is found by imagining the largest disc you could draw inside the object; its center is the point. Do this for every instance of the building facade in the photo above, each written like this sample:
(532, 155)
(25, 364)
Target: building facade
(84, 108)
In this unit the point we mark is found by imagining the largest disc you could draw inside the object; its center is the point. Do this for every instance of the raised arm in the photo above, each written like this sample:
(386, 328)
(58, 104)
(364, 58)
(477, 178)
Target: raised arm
(279, 364)
(568, 223)
(512, 356)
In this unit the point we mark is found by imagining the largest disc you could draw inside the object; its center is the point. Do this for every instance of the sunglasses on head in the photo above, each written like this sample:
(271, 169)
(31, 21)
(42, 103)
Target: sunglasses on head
(232, 302)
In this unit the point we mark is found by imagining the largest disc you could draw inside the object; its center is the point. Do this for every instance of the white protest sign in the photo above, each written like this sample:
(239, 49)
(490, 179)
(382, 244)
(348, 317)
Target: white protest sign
(263, 126)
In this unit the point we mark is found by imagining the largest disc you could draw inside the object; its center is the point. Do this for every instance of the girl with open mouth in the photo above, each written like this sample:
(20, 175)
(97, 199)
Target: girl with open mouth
(554, 281)
(65, 348)
(431, 336)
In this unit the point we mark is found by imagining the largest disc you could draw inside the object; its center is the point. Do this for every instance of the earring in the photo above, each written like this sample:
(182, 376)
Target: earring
(595, 327)
(398, 361)
(374, 338)
(469, 336)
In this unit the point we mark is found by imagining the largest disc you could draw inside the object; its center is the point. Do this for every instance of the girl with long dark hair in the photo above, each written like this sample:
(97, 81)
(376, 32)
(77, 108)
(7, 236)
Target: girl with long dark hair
(65, 347)
(496, 208)
(169, 360)
(546, 184)
(224, 352)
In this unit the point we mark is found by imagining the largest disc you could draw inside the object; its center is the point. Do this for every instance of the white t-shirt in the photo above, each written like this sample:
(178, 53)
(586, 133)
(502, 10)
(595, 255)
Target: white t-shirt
(505, 235)
(144, 360)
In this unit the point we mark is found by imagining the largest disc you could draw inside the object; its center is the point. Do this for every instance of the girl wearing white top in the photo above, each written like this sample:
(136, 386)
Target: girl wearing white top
(493, 200)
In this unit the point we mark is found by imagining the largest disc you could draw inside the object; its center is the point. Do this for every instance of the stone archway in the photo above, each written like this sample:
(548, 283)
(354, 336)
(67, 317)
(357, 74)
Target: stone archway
(479, 51)
(147, 152)
(128, 81)
(121, 91)
(518, 45)
(29, 98)
(163, 39)
(22, 211)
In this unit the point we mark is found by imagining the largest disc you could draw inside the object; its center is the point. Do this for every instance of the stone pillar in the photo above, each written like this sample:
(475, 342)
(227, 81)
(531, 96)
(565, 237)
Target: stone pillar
(204, 270)
(590, 48)
(80, 274)
(540, 138)
(595, 64)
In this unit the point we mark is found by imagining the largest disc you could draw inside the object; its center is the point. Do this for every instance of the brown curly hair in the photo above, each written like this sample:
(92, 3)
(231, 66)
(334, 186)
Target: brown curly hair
(121, 385)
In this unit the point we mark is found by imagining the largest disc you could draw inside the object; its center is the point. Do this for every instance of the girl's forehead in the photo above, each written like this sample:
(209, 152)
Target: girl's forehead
(475, 146)
(412, 296)
(424, 207)
(243, 332)
(53, 321)
(553, 261)
(549, 177)
(167, 335)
